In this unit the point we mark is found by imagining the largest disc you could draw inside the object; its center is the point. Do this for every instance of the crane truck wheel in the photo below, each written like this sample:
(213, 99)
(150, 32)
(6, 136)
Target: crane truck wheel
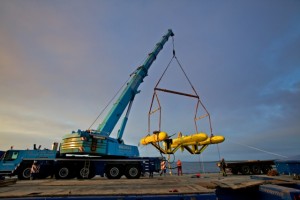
(113, 172)
(24, 173)
(245, 169)
(86, 173)
(266, 168)
(234, 171)
(133, 172)
(256, 169)
(63, 172)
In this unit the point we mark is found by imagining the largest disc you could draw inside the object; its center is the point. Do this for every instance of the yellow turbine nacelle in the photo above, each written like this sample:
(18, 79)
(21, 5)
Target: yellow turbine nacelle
(195, 138)
(157, 137)
(213, 140)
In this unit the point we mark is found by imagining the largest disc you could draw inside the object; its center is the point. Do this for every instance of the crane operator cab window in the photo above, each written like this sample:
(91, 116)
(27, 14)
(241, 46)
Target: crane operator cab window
(11, 155)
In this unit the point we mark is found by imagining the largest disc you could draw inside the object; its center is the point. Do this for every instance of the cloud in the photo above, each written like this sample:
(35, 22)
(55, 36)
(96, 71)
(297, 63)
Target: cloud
(60, 61)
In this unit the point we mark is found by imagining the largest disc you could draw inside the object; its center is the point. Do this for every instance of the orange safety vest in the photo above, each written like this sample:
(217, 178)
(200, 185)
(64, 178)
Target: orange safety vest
(179, 163)
(163, 165)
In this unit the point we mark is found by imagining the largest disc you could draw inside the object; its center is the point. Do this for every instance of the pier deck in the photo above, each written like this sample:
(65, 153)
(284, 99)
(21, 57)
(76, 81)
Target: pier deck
(100, 186)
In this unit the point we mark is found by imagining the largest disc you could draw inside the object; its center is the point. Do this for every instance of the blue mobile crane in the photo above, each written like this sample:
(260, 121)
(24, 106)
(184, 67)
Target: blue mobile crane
(84, 154)
(98, 142)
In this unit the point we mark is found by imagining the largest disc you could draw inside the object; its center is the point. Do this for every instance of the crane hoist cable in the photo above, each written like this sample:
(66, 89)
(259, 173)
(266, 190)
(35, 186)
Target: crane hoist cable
(194, 143)
(195, 95)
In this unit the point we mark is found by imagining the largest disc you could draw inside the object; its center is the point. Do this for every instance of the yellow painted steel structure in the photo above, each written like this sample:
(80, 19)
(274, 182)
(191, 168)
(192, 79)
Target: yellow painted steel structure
(195, 138)
(156, 137)
(195, 143)
(213, 140)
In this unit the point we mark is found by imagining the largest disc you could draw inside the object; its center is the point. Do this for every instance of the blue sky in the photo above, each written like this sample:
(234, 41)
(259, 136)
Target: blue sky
(62, 61)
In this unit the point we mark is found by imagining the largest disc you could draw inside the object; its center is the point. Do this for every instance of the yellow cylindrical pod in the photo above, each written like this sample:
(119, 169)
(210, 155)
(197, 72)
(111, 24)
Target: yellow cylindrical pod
(198, 137)
(161, 136)
(213, 140)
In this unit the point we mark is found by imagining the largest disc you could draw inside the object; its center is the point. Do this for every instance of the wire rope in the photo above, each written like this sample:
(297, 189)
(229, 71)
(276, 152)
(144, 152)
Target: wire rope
(109, 103)
(255, 148)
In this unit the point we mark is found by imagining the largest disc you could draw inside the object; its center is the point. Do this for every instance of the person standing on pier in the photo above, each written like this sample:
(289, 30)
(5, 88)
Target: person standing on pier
(35, 169)
(179, 168)
(223, 167)
(163, 168)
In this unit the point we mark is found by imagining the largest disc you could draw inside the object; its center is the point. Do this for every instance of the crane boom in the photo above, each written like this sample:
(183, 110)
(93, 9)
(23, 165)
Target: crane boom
(98, 142)
(131, 90)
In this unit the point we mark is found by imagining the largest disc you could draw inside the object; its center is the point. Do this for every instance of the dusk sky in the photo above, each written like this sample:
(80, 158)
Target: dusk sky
(62, 61)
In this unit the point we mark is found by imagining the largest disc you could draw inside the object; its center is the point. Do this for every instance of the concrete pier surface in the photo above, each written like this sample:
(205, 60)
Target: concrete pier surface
(158, 185)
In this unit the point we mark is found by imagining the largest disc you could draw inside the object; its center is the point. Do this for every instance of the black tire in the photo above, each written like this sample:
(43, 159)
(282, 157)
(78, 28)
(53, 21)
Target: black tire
(266, 168)
(133, 172)
(24, 173)
(46, 170)
(245, 169)
(256, 169)
(234, 171)
(63, 172)
(86, 173)
(113, 172)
